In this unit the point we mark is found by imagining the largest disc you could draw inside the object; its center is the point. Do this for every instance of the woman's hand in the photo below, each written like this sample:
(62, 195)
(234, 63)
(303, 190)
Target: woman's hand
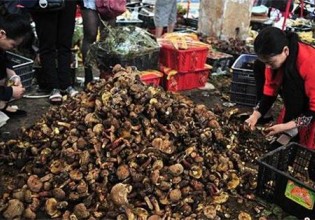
(18, 91)
(252, 120)
(275, 129)
(16, 80)
(280, 128)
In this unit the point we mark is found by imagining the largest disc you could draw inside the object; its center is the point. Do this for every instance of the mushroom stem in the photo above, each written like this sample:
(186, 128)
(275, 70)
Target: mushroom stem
(156, 206)
(147, 200)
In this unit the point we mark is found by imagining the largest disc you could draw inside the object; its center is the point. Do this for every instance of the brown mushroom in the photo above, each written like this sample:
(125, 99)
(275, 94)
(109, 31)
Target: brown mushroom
(210, 211)
(122, 172)
(29, 214)
(80, 211)
(51, 208)
(119, 193)
(59, 194)
(34, 183)
(14, 209)
(176, 169)
(175, 195)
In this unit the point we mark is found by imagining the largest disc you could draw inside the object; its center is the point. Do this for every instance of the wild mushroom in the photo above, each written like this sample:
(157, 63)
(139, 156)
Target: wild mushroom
(122, 172)
(14, 210)
(34, 183)
(176, 169)
(80, 211)
(119, 194)
(175, 195)
(51, 208)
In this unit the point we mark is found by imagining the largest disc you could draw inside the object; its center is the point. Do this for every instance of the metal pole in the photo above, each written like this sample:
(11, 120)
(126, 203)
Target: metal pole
(286, 15)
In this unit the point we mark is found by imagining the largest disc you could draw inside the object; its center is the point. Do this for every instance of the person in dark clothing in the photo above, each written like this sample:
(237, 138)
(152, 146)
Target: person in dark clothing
(289, 72)
(91, 24)
(13, 29)
(55, 31)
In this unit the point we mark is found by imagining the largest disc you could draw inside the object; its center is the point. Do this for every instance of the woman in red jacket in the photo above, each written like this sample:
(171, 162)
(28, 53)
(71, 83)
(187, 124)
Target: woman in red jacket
(290, 71)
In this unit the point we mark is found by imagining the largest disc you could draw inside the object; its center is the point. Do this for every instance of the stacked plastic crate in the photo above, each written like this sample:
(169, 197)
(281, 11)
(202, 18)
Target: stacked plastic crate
(23, 67)
(151, 77)
(184, 64)
(243, 86)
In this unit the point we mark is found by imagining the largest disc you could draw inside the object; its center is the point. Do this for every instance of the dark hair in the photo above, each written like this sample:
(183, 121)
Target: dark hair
(270, 42)
(15, 25)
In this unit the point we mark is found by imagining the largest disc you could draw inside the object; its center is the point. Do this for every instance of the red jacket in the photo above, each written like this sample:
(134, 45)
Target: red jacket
(306, 67)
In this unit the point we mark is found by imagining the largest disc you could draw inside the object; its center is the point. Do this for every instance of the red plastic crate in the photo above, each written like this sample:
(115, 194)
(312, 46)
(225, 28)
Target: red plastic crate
(151, 77)
(179, 81)
(184, 60)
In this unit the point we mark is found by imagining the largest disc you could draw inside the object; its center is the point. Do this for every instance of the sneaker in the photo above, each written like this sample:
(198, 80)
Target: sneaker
(55, 97)
(71, 91)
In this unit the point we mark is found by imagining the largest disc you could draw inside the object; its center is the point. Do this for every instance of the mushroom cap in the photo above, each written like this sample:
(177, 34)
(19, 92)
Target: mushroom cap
(119, 193)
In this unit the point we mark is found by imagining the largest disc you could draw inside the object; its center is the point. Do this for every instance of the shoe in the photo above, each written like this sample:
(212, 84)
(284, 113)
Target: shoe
(71, 91)
(55, 97)
(3, 119)
(13, 112)
(88, 76)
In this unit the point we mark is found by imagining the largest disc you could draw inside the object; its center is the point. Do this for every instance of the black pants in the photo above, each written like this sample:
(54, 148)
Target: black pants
(55, 32)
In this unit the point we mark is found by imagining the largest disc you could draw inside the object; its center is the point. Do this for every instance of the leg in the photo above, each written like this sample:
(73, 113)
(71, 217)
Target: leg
(170, 28)
(158, 32)
(65, 25)
(161, 14)
(90, 29)
(3, 104)
(172, 17)
(46, 29)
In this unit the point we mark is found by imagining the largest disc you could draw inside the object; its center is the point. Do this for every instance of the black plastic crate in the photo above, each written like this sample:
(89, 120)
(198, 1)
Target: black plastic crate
(148, 21)
(303, 28)
(243, 99)
(23, 67)
(244, 63)
(245, 88)
(136, 22)
(220, 62)
(244, 77)
(185, 29)
(286, 177)
(191, 22)
(143, 61)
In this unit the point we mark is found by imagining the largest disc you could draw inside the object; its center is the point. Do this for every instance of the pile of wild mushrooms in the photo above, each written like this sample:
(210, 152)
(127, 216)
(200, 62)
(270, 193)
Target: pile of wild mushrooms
(122, 149)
